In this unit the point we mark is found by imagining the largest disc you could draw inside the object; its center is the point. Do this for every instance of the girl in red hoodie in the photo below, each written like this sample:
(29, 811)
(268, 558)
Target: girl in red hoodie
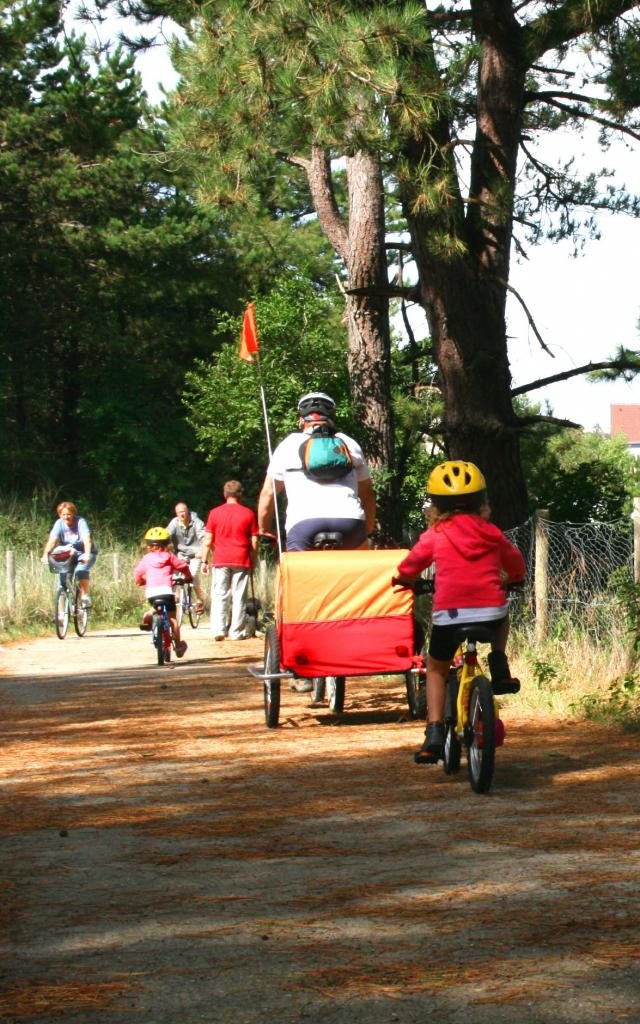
(155, 572)
(473, 561)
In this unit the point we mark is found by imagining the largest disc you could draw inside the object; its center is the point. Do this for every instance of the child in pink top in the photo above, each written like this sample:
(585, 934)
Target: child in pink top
(155, 572)
(473, 561)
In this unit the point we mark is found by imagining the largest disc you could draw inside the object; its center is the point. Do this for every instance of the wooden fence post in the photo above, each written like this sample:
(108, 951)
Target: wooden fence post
(542, 573)
(636, 539)
(10, 564)
(116, 566)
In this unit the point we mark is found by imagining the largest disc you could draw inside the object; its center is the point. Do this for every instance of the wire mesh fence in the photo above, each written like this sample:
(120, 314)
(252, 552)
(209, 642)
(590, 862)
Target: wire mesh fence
(571, 571)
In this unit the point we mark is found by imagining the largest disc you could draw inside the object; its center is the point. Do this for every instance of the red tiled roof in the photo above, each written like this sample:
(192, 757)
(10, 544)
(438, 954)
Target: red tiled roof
(625, 419)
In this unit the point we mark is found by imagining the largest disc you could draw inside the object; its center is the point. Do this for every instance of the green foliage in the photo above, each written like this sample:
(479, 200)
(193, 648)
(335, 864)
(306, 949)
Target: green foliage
(580, 476)
(619, 705)
(108, 272)
(627, 593)
(302, 348)
(544, 673)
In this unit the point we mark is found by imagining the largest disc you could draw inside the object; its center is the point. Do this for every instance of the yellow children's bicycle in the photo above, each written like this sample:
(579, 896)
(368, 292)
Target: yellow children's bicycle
(471, 716)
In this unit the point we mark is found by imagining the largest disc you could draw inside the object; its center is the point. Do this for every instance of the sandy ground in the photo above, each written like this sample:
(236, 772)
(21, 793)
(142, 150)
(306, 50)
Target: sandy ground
(166, 858)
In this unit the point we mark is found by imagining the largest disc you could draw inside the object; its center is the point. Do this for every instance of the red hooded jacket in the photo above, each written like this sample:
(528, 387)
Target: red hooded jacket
(469, 554)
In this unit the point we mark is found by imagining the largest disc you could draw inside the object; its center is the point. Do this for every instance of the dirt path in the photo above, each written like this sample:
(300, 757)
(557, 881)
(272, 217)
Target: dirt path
(166, 858)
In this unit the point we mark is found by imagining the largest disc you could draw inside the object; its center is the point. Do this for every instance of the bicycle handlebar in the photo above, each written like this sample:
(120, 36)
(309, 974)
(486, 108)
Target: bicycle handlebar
(419, 585)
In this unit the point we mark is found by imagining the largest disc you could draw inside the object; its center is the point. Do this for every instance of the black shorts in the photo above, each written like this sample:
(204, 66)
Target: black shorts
(168, 601)
(443, 642)
(300, 537)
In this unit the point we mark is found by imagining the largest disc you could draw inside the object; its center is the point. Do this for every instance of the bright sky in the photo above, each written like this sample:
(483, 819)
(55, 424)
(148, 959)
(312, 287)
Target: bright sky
(584, 307)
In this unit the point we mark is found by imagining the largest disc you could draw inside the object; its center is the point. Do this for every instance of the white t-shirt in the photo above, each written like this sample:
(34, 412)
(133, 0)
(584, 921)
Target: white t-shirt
(309, 499)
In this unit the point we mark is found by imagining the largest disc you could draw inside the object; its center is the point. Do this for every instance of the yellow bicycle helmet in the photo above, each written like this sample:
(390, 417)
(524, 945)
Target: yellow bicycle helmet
(157, 535)
(457, 485)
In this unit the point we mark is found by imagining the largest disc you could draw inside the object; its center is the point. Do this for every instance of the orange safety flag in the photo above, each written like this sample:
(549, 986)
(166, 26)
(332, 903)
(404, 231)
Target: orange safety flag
(249, 335)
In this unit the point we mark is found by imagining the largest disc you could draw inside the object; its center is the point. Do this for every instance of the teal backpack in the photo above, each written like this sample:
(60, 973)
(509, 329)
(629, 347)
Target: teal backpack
(325, 457)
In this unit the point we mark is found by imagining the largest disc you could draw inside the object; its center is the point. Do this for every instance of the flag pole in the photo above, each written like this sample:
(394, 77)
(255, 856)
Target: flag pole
(270, 450)
(250, 350)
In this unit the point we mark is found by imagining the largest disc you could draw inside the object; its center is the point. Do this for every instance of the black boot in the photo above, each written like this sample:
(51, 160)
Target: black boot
(501, 681)
(433, 747)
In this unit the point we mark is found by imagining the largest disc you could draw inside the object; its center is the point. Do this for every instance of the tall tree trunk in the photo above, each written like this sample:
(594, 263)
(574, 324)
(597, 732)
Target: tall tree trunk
(367, 315)
(360, 243)
(463, 263)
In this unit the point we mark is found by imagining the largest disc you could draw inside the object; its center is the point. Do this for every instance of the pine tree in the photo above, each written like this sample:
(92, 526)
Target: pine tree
(412, 90)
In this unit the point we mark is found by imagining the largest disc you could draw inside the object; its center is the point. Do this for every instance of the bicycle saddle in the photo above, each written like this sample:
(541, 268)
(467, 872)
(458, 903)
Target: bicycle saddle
(477, 633)
(328, 540)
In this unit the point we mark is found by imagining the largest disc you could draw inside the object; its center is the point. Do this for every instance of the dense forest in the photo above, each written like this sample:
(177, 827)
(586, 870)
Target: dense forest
(131, 238)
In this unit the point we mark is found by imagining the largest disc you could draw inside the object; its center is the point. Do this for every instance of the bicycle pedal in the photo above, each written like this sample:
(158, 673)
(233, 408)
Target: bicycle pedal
(421, 757)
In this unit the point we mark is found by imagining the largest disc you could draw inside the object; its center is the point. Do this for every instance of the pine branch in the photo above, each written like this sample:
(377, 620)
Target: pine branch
(528, 421)
(578, 371)
(557, 26)
(589, 116)
(391, 291)
(532, 324)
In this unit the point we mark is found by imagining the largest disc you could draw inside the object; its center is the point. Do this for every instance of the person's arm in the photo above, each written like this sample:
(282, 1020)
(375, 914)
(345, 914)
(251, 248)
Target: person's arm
(182, 566)
(52, 542)
(84, 533)
(173, 533)
(207, 543)
(367, 498)
(266, 503)
(420, 557)
(512, 561)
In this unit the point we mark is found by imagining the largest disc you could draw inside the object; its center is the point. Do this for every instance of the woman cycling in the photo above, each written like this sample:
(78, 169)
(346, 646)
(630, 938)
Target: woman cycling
(71, 530)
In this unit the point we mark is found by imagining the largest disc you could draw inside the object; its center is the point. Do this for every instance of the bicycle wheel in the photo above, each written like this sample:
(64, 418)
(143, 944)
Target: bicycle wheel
(335, 693)
(157, 637)
(271, 686)
(416, 687)
(452, 744)
(319, 689)
(179, 592)
(194, 615)
(62, 612)
(482, 735)
(80, 613)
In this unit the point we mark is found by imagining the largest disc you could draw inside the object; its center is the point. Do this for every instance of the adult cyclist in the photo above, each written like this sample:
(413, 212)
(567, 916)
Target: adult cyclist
(345, 504)
(186, 532)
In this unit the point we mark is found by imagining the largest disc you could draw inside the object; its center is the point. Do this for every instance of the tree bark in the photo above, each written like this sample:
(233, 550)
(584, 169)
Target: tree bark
(463, 263)
(360, 242)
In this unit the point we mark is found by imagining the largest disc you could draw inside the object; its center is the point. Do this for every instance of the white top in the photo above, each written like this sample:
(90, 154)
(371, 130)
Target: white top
(309, 499)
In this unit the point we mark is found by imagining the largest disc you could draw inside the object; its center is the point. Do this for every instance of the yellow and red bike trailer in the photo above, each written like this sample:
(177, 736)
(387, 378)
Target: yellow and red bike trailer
(336, 614)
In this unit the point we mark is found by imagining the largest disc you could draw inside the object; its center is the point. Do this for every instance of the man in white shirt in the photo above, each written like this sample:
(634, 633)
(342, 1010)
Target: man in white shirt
(345, 504)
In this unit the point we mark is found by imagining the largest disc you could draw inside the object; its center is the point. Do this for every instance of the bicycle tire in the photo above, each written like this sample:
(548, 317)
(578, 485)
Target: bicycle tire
(80, 613)
(481, 749)
(179, 592)
(156, 636)
(319, 689)
(62, 612)
(416, 687)
(271, 686)
(336, 693)
(452, 745)
(194, 615)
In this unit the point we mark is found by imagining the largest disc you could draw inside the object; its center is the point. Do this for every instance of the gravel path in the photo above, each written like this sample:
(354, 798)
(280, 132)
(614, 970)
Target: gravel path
(166, 858)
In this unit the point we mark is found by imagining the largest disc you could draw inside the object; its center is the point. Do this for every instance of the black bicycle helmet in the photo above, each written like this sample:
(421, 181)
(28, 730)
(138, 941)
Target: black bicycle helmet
(316, 402)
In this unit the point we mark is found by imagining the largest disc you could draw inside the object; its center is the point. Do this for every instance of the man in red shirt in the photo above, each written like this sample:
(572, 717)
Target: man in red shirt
(231, 530)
